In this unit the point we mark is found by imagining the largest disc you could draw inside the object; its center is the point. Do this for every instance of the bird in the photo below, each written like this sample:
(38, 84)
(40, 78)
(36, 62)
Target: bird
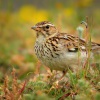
(61, 51)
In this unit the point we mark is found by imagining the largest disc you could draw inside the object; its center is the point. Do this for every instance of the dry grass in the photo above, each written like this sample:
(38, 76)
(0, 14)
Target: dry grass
(14, 90)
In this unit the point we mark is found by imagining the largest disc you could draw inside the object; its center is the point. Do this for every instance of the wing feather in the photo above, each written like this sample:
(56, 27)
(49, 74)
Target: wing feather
(74, 43)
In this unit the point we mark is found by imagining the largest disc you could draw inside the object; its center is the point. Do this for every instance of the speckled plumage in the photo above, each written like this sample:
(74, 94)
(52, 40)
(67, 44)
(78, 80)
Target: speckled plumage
(59, 51)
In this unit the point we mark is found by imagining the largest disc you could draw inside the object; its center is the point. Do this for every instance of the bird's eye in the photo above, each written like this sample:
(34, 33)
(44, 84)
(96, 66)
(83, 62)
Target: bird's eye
(47, 27)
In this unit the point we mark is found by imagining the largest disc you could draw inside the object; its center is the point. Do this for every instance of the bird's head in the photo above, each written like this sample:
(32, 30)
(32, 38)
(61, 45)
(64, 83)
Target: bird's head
(45, 28)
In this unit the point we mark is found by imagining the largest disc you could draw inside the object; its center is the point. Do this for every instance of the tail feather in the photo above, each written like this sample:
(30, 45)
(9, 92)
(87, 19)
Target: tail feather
(96, 52)
(95, 47)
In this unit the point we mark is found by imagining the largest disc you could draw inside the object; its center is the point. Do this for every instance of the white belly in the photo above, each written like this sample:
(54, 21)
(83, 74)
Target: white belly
(62, 61)
(65, 61)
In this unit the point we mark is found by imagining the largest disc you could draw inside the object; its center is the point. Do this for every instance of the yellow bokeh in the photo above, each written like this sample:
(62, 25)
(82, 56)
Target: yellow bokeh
(40, 16)
(31, 14)
(68, 12)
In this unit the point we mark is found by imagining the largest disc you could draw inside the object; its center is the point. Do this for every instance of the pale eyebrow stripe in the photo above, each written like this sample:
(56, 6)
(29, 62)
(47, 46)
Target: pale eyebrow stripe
(45, 25)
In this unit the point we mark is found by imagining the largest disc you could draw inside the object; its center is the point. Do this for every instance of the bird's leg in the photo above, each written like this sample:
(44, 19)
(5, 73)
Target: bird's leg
(52, 75)
(64, 73)
(56, 83)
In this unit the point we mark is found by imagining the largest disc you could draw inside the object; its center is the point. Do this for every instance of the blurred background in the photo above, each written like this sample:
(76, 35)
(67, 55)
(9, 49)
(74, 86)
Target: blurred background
(17, 16)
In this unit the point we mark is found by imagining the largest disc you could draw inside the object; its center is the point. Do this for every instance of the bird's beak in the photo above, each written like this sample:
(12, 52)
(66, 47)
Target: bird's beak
(34, 27)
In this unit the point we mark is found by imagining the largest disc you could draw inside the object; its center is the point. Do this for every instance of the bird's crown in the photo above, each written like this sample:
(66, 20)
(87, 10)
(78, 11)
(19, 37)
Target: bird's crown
(45, 28)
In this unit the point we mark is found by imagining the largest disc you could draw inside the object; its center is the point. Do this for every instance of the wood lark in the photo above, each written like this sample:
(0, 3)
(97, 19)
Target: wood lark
(59, 51)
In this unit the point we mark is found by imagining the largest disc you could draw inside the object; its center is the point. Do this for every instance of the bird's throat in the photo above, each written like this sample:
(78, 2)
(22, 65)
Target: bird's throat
(41, 38)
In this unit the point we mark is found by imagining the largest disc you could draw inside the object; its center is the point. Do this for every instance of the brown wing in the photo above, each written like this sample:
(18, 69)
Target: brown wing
(73, 43)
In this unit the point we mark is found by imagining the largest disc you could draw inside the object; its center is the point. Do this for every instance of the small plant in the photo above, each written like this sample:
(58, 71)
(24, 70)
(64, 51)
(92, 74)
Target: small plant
(14, 90)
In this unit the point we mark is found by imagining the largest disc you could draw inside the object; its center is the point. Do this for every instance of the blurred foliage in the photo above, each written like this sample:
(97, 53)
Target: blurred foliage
(17, 41)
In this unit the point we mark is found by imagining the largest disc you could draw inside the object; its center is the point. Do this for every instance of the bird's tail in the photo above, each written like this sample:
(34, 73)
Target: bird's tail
(95, 47)
(96, 51)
